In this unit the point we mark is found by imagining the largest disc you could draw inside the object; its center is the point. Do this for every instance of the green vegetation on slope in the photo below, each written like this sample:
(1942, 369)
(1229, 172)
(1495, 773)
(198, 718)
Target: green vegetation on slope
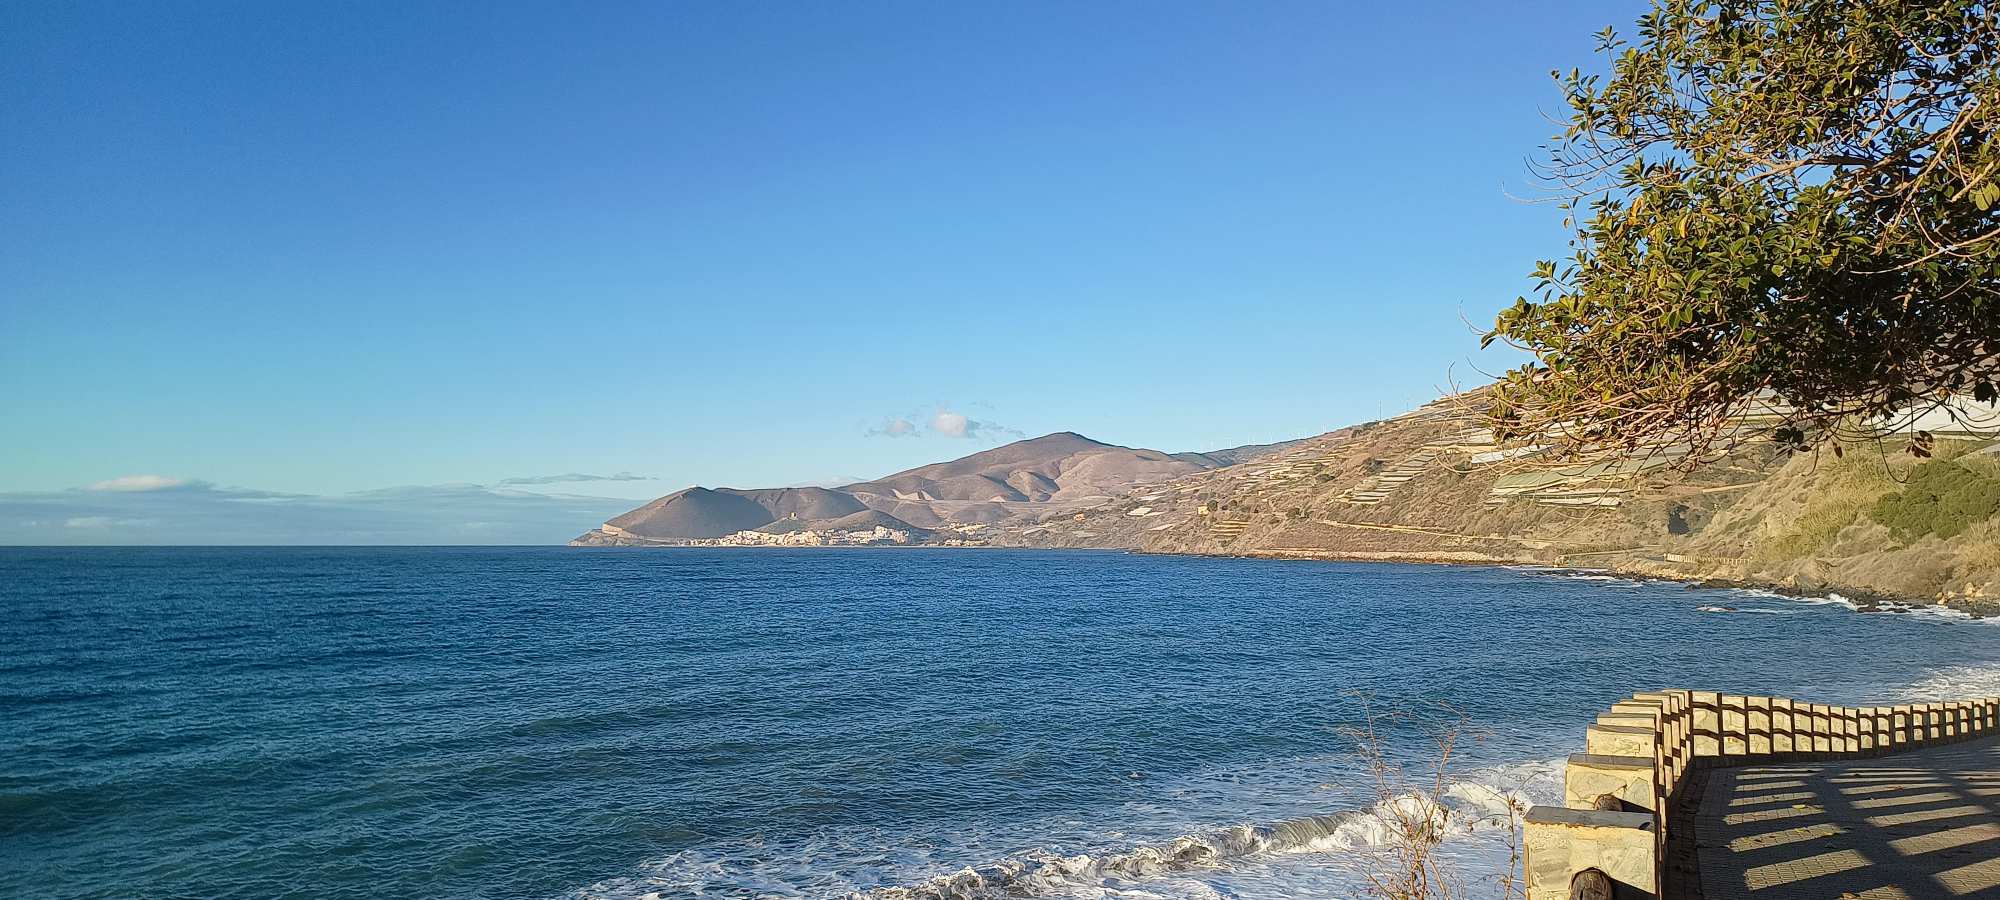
(1844, 490)
(1943, 497)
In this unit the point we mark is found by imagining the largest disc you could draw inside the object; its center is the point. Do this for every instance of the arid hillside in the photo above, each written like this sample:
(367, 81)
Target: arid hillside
(1875, 523)
(1025, 480)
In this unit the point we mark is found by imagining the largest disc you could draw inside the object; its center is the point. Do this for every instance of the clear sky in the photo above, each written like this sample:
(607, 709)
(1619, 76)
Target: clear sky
(318, 249)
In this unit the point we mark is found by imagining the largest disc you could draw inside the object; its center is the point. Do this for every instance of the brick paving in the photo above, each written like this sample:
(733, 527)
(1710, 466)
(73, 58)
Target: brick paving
(1913, 826)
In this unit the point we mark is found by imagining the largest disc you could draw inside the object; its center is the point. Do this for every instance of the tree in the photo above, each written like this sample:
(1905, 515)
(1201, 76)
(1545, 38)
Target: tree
(1790, 202)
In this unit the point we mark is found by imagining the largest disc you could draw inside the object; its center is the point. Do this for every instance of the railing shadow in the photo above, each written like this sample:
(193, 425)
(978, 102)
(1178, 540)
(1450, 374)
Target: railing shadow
(1913, 826)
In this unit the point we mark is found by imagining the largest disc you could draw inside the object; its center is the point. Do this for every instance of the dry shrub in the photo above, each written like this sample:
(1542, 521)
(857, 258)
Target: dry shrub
(1412, 805)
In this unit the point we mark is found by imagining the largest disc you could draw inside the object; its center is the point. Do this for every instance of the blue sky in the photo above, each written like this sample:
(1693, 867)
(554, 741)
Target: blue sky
(328, 249)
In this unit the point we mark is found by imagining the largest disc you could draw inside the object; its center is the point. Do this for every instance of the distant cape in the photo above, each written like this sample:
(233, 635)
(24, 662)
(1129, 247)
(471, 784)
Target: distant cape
(1025, 479)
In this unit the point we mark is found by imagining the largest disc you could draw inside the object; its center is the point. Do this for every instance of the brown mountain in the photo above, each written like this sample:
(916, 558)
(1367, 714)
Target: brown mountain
(1059, 466)
(1023, 480)
(859, 521)
(693, 513)
(1216, 459)
(805, 504)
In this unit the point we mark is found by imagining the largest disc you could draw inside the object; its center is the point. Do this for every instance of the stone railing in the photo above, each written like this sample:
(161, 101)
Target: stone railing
(1620, 796)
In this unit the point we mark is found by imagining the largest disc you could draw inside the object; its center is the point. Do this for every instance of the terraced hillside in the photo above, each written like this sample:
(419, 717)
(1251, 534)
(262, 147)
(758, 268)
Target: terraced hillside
(1432, 485)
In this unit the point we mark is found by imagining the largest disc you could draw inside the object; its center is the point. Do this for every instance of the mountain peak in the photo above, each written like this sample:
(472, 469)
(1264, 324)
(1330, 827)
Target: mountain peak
(1058, 437)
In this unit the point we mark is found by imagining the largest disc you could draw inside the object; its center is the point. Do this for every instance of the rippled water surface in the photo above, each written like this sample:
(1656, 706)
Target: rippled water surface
(540, 723)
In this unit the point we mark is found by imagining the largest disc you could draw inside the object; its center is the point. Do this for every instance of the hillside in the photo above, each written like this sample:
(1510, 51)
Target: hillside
(1024, 480)
(693, 513)
(1060, 466)
(1215, 459)
(1431, 485)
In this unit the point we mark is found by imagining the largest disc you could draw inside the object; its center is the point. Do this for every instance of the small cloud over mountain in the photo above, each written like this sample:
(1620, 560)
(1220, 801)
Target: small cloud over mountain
(573, 477)
(957, 425)
(944, 422)
(894, 427)
(952, 425)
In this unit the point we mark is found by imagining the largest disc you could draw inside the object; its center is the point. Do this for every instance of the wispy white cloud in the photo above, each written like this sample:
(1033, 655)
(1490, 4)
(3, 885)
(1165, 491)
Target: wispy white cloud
(198, 512)
(952, 425)
(945, 422)
(140, 483)
(102, 523)
(957, 425)
(894, 427)
(572, 477)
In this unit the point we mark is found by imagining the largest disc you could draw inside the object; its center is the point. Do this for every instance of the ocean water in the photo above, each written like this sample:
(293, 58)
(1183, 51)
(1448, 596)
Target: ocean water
(557, 723)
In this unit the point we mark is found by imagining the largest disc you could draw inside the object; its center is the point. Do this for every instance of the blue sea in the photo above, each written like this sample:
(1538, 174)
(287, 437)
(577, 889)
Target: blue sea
(576, 723)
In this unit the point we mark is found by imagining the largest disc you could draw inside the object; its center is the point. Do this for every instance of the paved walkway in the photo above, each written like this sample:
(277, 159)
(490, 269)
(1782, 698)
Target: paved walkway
(1910, 826)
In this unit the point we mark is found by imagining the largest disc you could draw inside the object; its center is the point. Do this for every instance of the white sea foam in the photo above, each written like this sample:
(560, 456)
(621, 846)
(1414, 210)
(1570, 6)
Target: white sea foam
(1568, 573)
(1937, 612)
(1832, 598)
(1752, 610)
(1892, 608)
(1953, 683)
(1327, 854)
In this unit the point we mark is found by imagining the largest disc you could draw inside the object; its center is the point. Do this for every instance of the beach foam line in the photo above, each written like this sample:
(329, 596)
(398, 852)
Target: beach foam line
(1483, 803)
(1490, 800)
(1831, 598)
(1953, 683)
(1884, 608)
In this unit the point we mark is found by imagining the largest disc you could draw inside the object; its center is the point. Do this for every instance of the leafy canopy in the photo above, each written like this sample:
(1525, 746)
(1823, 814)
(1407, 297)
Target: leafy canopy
(1792, 203)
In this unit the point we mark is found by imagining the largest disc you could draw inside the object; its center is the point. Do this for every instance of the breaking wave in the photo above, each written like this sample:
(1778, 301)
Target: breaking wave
(1953, 683)
(1886, 607)
(1466, 807)
(1479, 812)
(1831, 598)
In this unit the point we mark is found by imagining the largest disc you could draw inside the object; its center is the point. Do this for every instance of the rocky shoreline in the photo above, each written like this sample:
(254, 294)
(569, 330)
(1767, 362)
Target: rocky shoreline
(1863, 599)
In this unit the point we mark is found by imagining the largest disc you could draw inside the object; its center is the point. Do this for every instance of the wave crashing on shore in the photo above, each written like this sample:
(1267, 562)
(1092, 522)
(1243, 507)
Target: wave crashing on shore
(1479, 813)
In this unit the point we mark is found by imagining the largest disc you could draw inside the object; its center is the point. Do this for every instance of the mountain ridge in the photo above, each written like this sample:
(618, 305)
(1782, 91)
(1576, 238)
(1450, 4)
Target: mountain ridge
(1022, 479)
